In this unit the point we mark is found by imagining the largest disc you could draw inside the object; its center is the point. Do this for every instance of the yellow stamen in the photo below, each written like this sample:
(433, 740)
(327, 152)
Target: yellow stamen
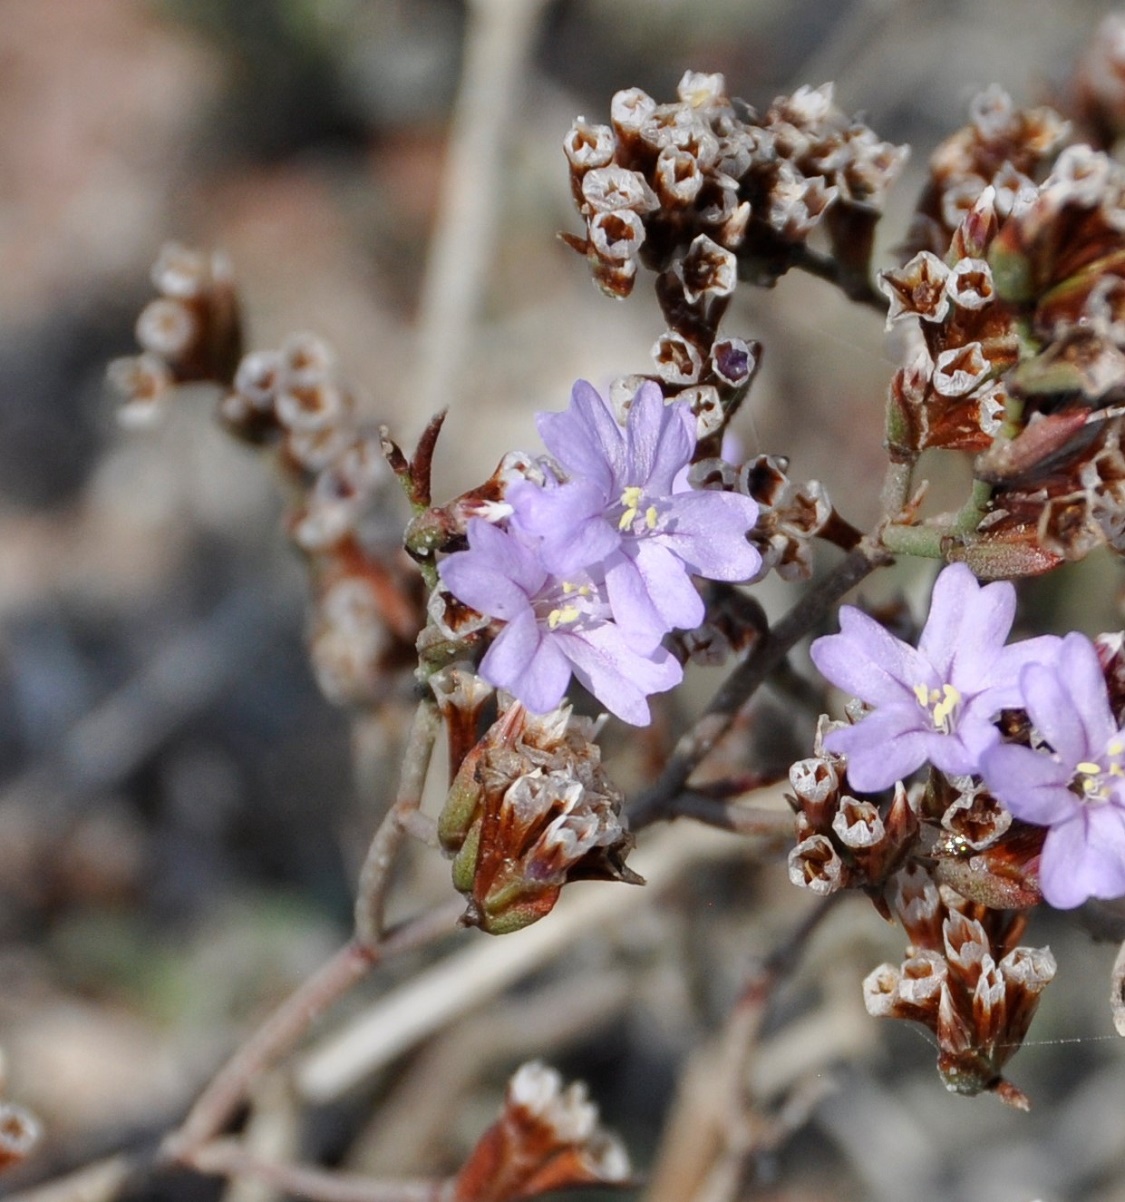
(650, 517)
(563, 616)
(1089, 768)
(943, 710)
(631, 499)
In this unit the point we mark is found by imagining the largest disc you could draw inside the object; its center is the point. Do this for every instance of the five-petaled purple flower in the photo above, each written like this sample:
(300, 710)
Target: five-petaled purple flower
(1075, 784)
(621, 508)
(554, 627)
(936, 702)
(594, 566)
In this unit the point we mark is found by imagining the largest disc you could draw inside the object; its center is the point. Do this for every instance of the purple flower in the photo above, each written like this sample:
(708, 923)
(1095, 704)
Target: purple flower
(620, 508)
(1074, 785)
(554, 627)
(936, 702)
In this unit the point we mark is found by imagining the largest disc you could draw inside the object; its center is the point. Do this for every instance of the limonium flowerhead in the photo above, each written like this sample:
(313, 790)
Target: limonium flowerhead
(1074, 782)
(621, 507)
(554, 627)
(936, 702)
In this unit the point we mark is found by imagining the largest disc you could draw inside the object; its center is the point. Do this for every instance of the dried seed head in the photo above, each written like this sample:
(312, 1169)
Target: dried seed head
(969, 284)
(976, 818)
(679, 177)
(858, 825)
(677, 360)
(815, 864)
(916, 901)
(610, 189)
(918, 288)
(707, 405)
(629, 110)
(959, 370)
(733, 361)
(708, 270)
(308, 361)
(701, 90)
(616, 237)
(588, 146)
(186, 274)
(258, 378)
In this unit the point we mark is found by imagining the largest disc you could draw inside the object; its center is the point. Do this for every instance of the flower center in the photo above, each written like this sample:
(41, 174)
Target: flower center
(1095, 782)
(941, 704)
(632, 498)
(569, 602)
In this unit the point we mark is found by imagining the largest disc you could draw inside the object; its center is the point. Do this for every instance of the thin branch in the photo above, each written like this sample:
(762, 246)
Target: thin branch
(773, 826)
(101, 1181)
(652, 805)
(468, 978)
(825, 267)
(374, 877)
(227, 1158)
(280, 1032)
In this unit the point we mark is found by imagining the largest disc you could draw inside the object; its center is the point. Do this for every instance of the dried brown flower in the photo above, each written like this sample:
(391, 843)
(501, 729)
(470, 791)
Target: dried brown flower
(530, 809)
(546, 1138)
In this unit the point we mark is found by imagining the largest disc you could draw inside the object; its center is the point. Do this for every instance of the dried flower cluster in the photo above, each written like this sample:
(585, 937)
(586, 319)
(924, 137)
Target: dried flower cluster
(1026, 731)
(1002, 147)
(530, 809)
(1021, 358)
(191, 332)
(367, 605)
(844, 841)
(702, 193)
(974, 778)
(366, 610)
(965, 979)
(702, 181)
(546, 1138)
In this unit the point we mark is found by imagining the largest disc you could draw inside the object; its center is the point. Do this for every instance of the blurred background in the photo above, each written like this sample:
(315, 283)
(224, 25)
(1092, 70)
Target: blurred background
(179, 818)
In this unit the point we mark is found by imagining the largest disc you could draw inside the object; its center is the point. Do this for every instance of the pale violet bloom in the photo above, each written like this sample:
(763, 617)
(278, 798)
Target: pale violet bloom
(555, 627)
(1075, 784)
(936, 702)
(620, 509)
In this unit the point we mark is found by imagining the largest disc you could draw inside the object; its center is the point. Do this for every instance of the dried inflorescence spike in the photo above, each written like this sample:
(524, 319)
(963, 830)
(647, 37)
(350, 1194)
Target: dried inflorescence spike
(547, 1138)
(530, 809)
